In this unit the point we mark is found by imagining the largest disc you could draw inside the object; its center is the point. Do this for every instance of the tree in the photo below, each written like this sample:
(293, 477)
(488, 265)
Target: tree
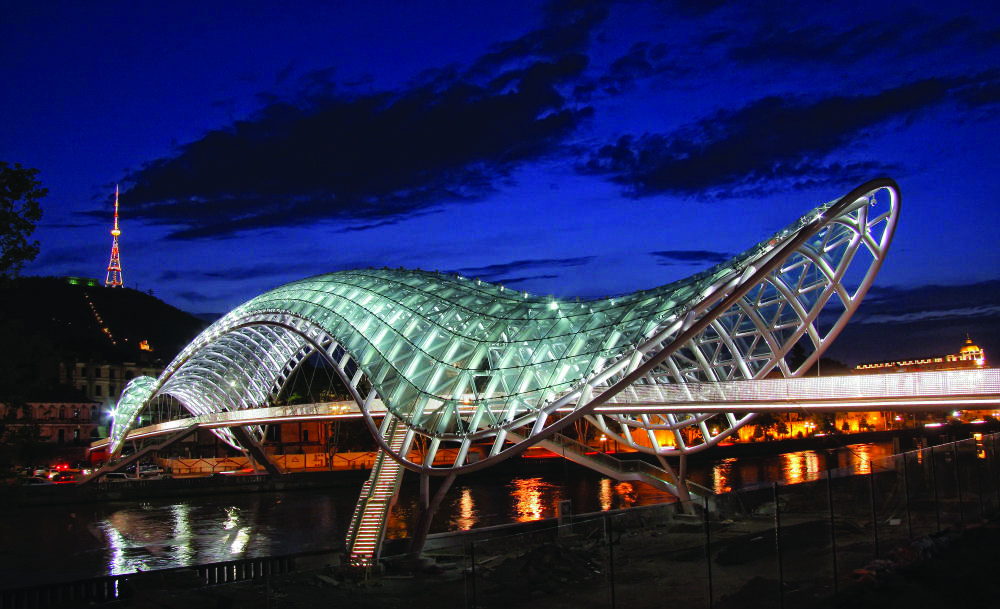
(20, 192)
(767, 421)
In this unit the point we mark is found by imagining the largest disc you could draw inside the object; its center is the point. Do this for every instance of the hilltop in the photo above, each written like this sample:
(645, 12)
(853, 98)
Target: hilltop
(94, 322)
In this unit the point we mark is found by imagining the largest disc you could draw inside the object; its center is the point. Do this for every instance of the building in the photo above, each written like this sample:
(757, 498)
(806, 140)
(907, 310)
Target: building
(969, 356)
(102, 382)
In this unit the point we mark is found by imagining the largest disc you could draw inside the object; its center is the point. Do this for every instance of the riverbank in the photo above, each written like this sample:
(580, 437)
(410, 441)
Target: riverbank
(537, 464)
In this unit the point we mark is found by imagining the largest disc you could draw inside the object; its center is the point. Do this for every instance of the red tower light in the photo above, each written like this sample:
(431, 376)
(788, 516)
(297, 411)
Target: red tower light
(114, 278)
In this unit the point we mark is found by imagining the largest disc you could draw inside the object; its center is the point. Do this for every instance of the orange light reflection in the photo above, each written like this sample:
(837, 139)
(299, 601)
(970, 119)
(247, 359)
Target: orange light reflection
(530, 496)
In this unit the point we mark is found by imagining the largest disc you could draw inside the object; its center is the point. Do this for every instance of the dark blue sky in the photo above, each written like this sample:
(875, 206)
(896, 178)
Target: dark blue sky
(573, 149)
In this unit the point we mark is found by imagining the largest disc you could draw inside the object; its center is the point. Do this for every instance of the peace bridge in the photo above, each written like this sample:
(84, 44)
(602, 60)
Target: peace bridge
(473, 373)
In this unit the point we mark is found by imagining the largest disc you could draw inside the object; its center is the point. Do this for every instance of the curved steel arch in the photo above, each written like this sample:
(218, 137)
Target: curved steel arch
(459, 361)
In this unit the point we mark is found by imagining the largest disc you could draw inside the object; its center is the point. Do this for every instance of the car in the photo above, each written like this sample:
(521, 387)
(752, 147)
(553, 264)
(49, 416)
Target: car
(67, 477)
(115, 477)
(150, 471)
(35, 481)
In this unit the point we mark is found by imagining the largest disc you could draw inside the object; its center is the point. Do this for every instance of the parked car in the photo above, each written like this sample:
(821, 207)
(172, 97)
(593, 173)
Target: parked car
(150, 471)
(69, 476)
(35, 481)
(115, 477)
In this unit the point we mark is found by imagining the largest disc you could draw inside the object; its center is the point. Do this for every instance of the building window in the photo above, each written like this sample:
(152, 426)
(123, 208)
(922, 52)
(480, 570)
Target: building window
(97, 373)
(97, 390)
(111, 374)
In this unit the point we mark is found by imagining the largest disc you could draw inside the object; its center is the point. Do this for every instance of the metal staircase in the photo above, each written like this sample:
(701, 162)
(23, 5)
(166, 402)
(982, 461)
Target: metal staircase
(185, 429)
(364, 537)
(632, 471)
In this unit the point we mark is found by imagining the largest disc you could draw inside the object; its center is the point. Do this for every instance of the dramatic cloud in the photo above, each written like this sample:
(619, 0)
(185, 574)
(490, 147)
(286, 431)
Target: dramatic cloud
(240, 273)
(643, 61)
(512, 280)
(499, 272)
(891, 304)
(193, 297)
(670, 257)
(923, 321)
(374, 157)
(900, 32)
(771, 143)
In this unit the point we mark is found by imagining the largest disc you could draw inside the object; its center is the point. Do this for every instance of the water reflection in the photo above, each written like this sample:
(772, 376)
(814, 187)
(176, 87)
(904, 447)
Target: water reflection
(182, 533)
(534, 498)
(790, 468)
(720, 476)
(123, 537)
(626, 494)
(801, 466)
(240, 542)
(467, 511)
(863, 458)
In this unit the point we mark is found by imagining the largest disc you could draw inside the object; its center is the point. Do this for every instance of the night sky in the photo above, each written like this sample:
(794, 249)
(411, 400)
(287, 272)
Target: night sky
(572, 149)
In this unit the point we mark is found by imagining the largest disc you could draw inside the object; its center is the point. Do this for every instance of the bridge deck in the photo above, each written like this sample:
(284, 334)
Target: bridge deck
(975, 389)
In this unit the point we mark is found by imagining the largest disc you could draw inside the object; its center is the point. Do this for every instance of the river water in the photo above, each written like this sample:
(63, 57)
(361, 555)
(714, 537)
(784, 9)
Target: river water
(61, 543)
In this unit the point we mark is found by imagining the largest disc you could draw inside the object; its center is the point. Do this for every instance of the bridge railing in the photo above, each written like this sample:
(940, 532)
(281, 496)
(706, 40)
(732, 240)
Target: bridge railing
(906, 385)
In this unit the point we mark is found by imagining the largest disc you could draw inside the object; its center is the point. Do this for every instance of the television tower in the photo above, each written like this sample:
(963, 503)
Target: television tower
(115, 264)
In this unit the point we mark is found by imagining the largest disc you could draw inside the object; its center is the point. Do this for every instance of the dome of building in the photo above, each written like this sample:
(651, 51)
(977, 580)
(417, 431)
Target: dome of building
(969, 347)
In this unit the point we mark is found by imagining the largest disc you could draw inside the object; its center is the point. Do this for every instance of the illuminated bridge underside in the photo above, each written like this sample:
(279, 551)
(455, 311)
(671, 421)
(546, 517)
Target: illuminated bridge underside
(457, 361)
(900, 392)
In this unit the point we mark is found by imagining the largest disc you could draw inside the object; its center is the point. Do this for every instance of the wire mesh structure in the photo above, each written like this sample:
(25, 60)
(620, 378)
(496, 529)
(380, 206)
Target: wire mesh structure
(462, 362)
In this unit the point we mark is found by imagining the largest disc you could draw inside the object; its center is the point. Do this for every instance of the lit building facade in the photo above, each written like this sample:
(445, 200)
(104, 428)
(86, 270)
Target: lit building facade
(969, 356)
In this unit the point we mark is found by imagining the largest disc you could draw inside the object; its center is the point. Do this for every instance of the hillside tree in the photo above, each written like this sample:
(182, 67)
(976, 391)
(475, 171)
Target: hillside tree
(20, 192)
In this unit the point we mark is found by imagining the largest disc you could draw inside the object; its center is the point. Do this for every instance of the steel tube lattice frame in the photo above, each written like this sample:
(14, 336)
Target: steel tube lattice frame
(459, 361)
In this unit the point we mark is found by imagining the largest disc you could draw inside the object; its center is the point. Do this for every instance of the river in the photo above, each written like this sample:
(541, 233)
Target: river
(62, 543)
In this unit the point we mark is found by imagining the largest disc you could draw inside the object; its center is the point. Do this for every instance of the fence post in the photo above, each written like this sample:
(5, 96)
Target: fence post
(708, 551)
(777, 545)
(993, 467)
(979, 483)
(958, 486)
(871, 486)
(937, 503)
(472, 554)
(833, 528)
(906, 496)
(608, 526)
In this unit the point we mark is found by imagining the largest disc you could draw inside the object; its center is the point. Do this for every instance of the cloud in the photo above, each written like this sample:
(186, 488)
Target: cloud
(240, 273)
(670, 257)
(193, 296)
(374, 157)
(769, 144)
(390, 221)
(642, 61)
(929, 320)
(511, 280)
(903, 305)
(788, 38)
(496, 272)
